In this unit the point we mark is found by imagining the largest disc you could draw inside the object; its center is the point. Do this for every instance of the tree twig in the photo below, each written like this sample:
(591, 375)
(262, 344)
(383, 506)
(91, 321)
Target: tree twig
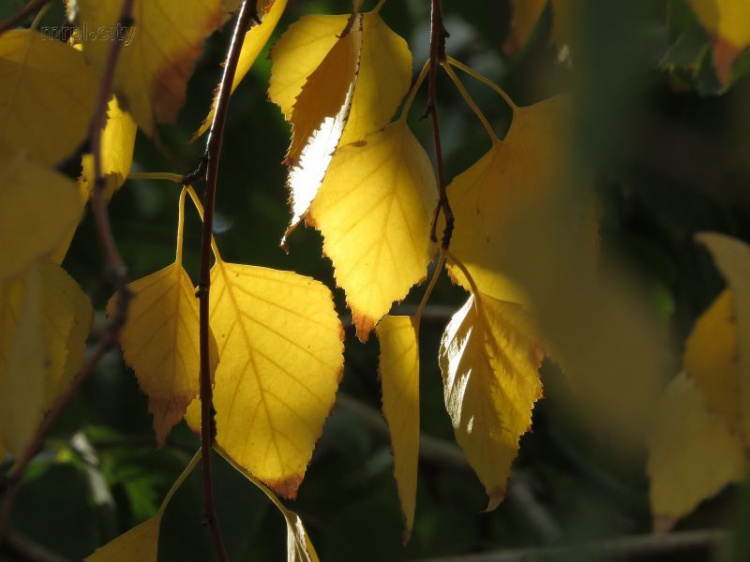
(115, 266)
(438, 35)
(23, 14)
(210, 164)
(22, 548)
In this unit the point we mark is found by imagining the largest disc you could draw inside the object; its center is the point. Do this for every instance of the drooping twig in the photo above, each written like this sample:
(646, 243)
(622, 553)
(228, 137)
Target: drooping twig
(23, 14)
(438, 35)
(210, 165)
(115, 266)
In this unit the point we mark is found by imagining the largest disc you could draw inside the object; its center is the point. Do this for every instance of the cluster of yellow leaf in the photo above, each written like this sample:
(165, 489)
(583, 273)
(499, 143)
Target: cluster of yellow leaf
(702, 430)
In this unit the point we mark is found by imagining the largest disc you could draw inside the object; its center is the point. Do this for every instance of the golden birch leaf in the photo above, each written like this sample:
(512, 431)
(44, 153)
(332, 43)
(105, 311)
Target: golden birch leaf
(489, 358)
(160, 341)
(299, 547)
(711, 360)
(374, 210)
(384, 72)
(48, 96)
(692, 454)
(280, 363)
(500, 200)
(61, 325)
(142, 541)
(732, 257)
(118, 142)
(38, 207)
(399, 377)
(270, 12)
(727, 22)
(158, 52)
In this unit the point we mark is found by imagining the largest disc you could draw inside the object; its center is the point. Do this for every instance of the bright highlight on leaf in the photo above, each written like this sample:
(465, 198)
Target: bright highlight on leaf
(374, 210)
(280, 363)
(44, 321)
(726, 21)
(141, 542)
(47, 98)
(270, 12)
(157, 54)
(38, 207)
(160, 342)
(692, 456)
(489, 358)
(399, 377)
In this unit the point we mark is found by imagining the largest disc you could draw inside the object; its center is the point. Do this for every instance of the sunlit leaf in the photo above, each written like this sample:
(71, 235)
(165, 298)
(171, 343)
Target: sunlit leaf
(732, 257)
(47, 98)
(157, 54)
(299, 547)
(711, 360)
(38, 207)
(726, 21)
(489, 358)
(270, 12)
(399, 377)
(280, 363)
(141, 542)
(44, 321)
(692, 454)
(384, 72)
(160, 342)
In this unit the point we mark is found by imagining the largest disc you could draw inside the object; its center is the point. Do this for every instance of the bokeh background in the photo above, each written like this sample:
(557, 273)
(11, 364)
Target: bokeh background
(670, 155)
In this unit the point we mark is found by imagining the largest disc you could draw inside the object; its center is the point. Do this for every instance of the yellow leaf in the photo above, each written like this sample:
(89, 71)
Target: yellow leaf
(118, 142)
(726, 21)
(299, 547)
(399, 376)
(711, 360)
(280, 363)
(157, 53)
(692, 454)
(499, 201)
(160, 342)
(141, 542)
(374, 210)
(526, 14)
(38, 207)
(489, 358)
(48, 96)
(732, 257)
(384, 71)
(270, 12)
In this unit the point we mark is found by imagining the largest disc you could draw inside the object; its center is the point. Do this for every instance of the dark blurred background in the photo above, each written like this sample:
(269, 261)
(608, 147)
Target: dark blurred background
(670, 150)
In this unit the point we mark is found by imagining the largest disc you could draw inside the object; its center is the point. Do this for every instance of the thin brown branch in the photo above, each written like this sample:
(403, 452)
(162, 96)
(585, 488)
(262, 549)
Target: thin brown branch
(247, 15)
(438, 35)
(651, 547)
(23, 14)
(22, 548)
(115, 266)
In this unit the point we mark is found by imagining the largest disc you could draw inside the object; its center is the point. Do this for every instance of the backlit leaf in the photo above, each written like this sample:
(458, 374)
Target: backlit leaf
(732, 257)
(141, 542)
(160, 342)
(692, 454)
(280, 363)
(489, 358)
(47, 98)
(270, 12)
(157, 55)
(399, 377)
(711, 360)
(374, 210)
(726, 21)
(38, 207)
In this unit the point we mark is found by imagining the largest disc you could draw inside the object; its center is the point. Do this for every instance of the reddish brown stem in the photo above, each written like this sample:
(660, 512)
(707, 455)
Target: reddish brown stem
(115, 266)
(247, 15)
(24, 13)
(438, 35)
